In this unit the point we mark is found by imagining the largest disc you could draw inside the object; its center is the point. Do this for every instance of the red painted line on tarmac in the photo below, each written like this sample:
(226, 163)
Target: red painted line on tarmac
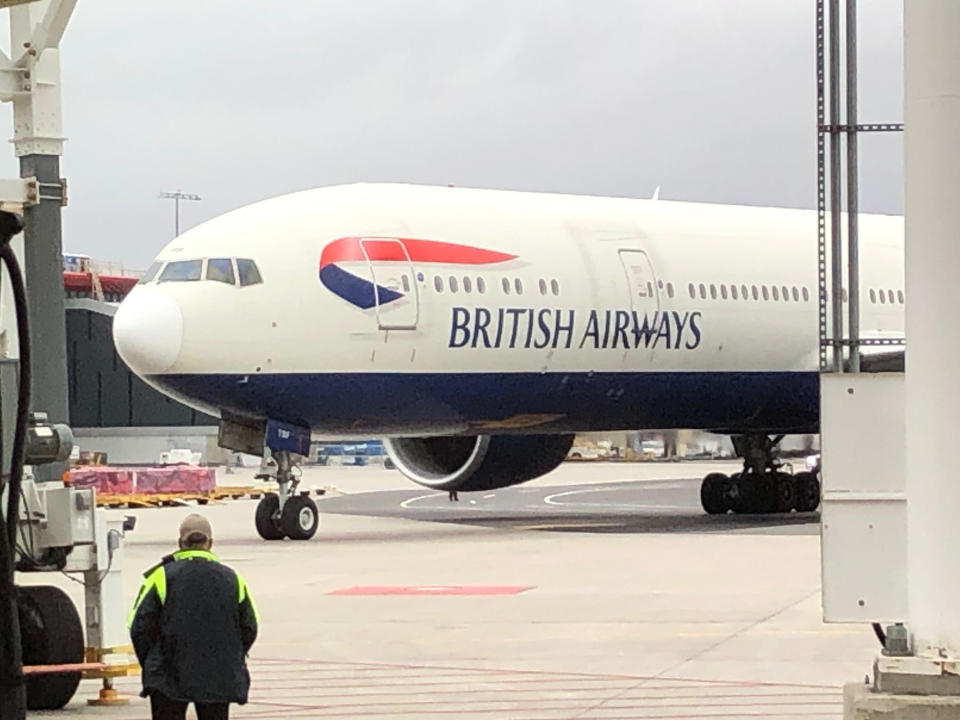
(433, 590)
(328, 712)
(559, 674)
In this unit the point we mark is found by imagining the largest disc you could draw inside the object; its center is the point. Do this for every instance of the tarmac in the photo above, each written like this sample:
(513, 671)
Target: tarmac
(618, 599)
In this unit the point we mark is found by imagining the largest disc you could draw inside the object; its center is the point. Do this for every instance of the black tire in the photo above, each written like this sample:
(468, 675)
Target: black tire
(266, 518)
(713, 495)
(787, 492)
(758, 494)
(50, 634)
(808, 492)
(300, 518)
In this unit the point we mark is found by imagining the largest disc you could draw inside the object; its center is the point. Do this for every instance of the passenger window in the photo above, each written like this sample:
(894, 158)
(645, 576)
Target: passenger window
(467, 285)
(900, 296)
(506, 286)
(555, 287)
(692, 290)
(775, 292)
(873, 296)
(543, 286)
(248, 272)
(220, 270)
(182, 271)
(743, 292)
(518, 286)
(438, 283)
(806, 295)
(481, 285)
(649, 289)
(786, 294)
(406, 283)
(151, 273)
(766, 292)
(733, 292)
(883, 298)
(723, 291)
(713, 291)
(756, 295)
(453, 284)
(703, 292)
(669, 289)
(890, 296)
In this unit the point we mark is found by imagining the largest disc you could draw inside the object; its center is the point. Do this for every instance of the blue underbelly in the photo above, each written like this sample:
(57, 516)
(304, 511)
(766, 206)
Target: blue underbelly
(412, 403)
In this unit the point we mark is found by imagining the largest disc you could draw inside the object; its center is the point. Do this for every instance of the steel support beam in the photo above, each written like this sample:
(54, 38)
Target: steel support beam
(836, 199)
(853, 190)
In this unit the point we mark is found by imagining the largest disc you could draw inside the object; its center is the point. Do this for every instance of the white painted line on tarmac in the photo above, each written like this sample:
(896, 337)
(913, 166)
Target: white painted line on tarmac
(409, 502)
(551, 499)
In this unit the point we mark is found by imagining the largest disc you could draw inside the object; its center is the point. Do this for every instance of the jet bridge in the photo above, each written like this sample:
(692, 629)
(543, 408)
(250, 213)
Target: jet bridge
(891, 499)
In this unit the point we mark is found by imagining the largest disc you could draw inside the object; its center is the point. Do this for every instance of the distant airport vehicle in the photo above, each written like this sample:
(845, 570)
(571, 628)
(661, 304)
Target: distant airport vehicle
(477, 331)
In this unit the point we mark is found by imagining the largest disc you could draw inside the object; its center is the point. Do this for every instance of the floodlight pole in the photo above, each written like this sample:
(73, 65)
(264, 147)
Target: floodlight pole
(177, 197)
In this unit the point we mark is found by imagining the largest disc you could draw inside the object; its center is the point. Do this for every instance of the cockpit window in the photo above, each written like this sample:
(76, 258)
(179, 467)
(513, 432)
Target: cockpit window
(151, 273)
(248, 272)
(221, 270)
(182, 271)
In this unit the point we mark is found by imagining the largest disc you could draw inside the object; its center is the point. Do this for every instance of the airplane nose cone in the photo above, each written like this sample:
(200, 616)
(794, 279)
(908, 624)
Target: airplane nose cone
(148, 331)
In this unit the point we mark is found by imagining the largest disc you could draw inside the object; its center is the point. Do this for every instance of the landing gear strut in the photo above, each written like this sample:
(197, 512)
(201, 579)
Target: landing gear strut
(285, 514)
(762, 486)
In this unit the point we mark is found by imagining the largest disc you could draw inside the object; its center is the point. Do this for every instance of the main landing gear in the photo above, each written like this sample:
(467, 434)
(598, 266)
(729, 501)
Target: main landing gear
(285, 514)
(762, 486)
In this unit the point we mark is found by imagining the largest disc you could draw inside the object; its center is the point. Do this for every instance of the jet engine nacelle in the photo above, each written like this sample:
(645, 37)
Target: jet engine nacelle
(481, 462)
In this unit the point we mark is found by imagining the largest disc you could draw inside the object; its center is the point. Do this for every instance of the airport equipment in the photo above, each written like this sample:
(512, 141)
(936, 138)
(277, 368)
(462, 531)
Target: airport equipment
(45, 526)
(49, 527)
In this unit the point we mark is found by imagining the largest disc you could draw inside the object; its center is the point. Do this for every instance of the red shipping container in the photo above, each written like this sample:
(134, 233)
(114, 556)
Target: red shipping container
(176, 479)
(104, 479)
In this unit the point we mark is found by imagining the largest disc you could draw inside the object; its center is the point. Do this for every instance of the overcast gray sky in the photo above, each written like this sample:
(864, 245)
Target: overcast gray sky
(713, 100)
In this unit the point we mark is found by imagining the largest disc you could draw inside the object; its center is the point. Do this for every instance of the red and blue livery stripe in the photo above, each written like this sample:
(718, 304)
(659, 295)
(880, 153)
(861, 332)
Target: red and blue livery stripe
(363, 292)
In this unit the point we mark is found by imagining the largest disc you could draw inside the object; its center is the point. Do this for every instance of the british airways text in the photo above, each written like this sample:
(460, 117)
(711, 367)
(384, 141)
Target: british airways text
(553, 328)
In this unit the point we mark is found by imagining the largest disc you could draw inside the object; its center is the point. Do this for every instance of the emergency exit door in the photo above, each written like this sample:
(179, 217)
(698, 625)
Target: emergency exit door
(396, 293)
(641, 281)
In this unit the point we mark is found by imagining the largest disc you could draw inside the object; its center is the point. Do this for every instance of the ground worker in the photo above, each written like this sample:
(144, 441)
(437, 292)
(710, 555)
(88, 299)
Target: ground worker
(192, 626)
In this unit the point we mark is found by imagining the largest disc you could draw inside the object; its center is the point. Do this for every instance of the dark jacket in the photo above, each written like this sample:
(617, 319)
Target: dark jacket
(192, 626)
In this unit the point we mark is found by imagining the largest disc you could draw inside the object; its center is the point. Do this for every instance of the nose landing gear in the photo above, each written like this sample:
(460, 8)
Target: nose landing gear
(762, 486)
(285, 514)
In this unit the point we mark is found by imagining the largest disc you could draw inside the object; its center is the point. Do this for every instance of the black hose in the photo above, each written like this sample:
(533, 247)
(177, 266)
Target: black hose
(23, 391)
(881, 635)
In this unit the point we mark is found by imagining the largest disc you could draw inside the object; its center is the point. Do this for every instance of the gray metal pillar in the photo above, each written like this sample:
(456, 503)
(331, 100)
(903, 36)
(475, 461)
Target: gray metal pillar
(43, 267)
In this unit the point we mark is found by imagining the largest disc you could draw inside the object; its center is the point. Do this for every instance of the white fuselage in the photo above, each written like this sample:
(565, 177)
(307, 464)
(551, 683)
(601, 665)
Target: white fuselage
(407, 310)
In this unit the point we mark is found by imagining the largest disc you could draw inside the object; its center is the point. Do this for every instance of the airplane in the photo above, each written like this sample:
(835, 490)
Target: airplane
(477, 331)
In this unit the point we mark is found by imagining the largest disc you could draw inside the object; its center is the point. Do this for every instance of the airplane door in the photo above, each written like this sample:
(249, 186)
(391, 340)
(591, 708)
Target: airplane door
(396, 293)
(644, 293)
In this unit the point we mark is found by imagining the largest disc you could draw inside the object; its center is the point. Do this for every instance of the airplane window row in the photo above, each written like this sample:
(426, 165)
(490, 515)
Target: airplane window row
(743, 292)
(468, 285)
(660, 284)
(886, 297)
(231, 271)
